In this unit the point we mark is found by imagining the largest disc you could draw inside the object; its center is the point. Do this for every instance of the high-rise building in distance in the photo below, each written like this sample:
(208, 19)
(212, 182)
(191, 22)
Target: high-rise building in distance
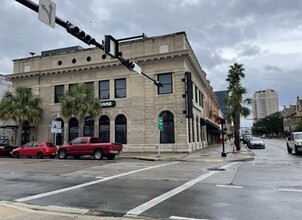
(264, 103)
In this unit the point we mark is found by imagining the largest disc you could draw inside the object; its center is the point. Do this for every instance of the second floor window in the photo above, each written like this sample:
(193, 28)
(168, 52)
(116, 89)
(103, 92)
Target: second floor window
(104, 89)
(166, 81)
(72, 87)
(59, 92)
(120, 88)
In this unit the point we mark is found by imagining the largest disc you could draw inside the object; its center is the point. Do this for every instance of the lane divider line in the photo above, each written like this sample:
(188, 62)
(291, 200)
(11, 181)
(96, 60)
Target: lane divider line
(230, 186)
(142, 208)
(90, 183)
(184, 218)
(291, 190)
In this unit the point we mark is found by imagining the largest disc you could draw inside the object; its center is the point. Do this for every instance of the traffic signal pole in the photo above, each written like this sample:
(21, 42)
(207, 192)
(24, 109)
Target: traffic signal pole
(223, 154)
(86, 38)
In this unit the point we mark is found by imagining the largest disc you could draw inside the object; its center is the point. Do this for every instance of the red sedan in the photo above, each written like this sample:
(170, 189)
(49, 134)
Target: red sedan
(37, 149)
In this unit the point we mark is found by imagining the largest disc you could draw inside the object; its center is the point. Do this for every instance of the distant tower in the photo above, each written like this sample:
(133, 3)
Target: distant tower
(265, 102)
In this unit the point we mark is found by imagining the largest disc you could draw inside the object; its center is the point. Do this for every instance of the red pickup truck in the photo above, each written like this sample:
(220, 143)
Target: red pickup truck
(89, 146)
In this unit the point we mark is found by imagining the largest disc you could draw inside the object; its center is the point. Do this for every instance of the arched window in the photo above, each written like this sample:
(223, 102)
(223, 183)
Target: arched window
(25, 137)
(121, 129)
(167, 134)
(89, 126)
(73, 129)
(104, 131)
(59, 137)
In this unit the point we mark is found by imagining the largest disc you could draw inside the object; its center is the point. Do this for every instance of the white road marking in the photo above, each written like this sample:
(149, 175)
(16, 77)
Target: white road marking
(230, 186)
(291, 190)
(140, 209)
(184, 218)
(89, 183)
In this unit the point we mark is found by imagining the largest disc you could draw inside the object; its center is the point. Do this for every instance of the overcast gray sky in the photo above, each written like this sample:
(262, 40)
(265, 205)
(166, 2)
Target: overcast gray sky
(264, 35)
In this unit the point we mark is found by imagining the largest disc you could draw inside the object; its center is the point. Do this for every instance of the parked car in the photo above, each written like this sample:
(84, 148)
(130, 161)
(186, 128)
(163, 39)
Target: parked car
(245, 138)
(294, 143)
(255, 142)
(89, 146)
(37, 149)
(6, 149)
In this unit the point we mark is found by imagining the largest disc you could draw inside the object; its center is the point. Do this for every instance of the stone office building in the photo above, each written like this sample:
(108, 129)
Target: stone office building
(131, 103)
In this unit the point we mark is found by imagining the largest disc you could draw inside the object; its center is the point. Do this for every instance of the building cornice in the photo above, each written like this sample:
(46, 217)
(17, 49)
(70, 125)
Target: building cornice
(109, 63)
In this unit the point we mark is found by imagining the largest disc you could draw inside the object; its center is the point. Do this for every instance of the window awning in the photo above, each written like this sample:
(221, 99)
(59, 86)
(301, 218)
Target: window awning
(9, 126)
(212, 126)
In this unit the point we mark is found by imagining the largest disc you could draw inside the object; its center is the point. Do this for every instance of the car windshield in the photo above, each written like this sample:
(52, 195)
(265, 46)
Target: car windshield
(256, 139)
(298, 136)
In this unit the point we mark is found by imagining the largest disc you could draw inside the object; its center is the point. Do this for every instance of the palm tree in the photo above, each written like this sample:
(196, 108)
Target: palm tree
(21, 106)
(80, 102)
(235, 100)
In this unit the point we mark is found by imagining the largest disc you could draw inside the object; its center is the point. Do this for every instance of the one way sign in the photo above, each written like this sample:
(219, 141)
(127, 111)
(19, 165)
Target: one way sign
(47, 12)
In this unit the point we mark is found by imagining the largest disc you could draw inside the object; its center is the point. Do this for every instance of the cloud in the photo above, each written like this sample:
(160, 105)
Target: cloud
(247, 50)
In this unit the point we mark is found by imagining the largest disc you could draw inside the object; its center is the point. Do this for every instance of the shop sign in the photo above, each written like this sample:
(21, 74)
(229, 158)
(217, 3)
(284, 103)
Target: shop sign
(107, 104)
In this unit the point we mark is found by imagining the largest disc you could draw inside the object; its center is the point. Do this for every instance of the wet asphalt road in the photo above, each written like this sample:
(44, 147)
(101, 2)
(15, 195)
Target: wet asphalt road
(269, 187)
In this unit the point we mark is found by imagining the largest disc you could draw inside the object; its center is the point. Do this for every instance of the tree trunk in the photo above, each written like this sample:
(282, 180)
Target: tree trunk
(237, 130)
(18, 135)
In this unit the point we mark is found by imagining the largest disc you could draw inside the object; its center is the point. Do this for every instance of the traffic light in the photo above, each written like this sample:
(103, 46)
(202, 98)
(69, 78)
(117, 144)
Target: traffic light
(218, 120)
(75, 31)
(131, 65)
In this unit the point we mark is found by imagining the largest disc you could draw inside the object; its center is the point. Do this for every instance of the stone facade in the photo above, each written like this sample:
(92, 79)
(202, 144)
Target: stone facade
(169, 54)
(292, 116)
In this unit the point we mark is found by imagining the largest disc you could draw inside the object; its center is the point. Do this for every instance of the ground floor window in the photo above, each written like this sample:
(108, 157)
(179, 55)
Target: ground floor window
(59, 137)
(73, 129)
(167, 134)
(121, 129)
(25, 137)
(89, 127)
(104, 131)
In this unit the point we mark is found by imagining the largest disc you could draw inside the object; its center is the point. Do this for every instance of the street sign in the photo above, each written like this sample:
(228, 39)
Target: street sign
(47, 12)
(160, 123)
(56, 127)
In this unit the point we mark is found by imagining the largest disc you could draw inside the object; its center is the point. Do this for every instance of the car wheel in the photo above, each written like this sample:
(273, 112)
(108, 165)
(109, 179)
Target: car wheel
(98, 155)
(16, 155)
(40, 155)
(62, 154)
(289, 150)
(111, 156)
(296, 151)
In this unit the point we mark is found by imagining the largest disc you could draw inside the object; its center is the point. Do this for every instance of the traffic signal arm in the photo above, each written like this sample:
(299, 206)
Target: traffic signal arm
(78, 33)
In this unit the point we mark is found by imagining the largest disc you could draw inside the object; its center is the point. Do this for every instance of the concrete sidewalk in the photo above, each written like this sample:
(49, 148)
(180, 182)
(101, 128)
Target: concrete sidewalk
(21, 211)
(210, 153)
